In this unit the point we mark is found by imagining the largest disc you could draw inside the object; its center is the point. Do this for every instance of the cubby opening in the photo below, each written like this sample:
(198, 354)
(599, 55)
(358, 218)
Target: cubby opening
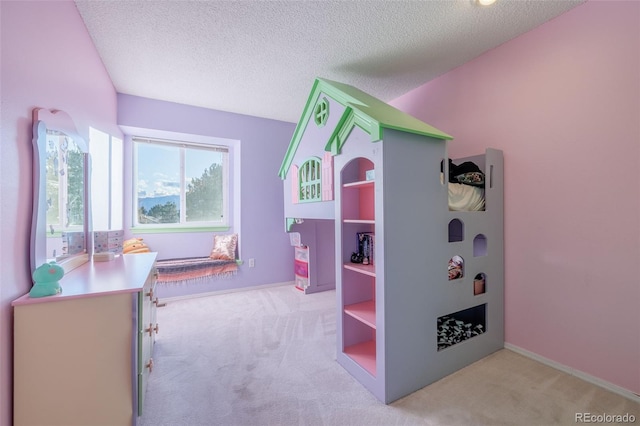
(479, 284)
(456, 230)
(459, 326)
(356, 170)
(358, 194)
(456, 268)
(360, 343)
(480, 245)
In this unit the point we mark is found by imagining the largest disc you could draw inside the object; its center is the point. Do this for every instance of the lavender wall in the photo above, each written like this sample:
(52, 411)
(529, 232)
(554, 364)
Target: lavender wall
(259, 216)
(562, 102)
(48, 60)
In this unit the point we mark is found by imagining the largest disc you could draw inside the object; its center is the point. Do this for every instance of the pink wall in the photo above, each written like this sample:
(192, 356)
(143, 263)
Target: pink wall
(563, 103)
(48, 60)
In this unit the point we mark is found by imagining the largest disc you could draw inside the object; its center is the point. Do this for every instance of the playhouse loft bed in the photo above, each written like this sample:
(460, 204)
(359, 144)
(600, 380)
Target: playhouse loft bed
(362, 180)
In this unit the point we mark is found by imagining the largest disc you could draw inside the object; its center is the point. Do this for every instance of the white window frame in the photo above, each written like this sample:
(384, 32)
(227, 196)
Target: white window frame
(109, 198)
(223, 224)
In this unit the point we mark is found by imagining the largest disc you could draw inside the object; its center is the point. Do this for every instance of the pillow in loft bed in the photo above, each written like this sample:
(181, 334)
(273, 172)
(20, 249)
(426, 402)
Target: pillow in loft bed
(471, 178)
(465, 197)
(467, 173)
(224, 247)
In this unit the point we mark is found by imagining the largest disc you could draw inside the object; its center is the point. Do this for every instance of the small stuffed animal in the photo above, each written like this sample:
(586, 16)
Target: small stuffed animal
(45, 279)
(134, 245)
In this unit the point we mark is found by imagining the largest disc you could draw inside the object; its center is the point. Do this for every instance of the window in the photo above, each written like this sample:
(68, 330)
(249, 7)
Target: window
(65, 196)
(310, 179)
(321, 112)
(106, 180)
(64, 184)
(180, 184)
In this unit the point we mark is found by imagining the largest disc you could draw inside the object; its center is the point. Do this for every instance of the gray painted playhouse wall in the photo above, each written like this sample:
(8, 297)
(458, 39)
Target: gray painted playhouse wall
(412, 286)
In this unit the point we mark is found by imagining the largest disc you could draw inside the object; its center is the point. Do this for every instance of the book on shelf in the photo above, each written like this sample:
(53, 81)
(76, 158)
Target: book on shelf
(366, 243)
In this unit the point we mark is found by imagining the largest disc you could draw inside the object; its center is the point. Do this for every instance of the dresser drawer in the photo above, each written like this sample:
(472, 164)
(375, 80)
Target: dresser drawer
(301, 269)
(302, 254)
(301, 282)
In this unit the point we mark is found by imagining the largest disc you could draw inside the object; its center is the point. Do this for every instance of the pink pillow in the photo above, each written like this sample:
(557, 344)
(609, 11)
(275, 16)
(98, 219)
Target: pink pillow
(224, 247)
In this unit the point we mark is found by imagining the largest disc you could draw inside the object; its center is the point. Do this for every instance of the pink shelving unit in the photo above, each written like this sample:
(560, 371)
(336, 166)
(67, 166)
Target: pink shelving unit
(363, 311)
(364, 354)
(358, 280)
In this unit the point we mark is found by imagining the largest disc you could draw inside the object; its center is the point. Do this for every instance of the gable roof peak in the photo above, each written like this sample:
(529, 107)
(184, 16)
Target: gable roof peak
(362, 109)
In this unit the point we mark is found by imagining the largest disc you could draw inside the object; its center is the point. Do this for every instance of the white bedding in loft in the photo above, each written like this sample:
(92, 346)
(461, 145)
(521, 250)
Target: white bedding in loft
(465, 197)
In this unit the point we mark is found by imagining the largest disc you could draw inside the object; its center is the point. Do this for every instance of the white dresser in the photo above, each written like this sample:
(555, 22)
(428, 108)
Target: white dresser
(82, 357)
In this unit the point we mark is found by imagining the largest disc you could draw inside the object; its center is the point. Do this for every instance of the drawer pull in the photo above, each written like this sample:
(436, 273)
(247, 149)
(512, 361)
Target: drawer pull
(151, 329)
(158, 304)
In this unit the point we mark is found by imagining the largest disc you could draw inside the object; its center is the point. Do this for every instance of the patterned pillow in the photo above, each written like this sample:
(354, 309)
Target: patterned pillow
(471, 178)
(224, 247)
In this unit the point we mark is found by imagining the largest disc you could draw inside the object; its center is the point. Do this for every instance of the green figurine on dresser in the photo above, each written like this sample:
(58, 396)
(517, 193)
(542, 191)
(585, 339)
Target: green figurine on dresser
(46, 280)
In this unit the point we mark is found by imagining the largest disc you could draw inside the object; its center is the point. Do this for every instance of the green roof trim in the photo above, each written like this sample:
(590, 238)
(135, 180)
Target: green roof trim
(350, 119)
(362, 110)
(307, 112)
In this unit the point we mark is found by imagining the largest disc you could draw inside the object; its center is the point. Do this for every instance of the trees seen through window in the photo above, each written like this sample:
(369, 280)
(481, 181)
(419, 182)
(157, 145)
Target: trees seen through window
(180, 184)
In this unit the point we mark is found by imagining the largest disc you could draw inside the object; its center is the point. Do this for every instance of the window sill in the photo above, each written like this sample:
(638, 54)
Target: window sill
(179, 229)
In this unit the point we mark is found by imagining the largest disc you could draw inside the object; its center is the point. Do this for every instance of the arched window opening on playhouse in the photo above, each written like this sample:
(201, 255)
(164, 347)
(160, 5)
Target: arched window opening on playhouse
(479, 284)
(479, 245)
(310, 181)
(456, 268)
(456, 230)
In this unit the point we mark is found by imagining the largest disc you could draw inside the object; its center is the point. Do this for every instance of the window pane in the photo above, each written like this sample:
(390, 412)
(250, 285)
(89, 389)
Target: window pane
(204, 179)
(64, 196)
(99, 150)
(117, 183)
(185, 184)
(158, 185)
(54, 171)
(65, 183)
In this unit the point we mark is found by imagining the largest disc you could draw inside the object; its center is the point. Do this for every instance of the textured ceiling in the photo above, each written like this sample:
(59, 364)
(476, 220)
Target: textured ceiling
(260, 57)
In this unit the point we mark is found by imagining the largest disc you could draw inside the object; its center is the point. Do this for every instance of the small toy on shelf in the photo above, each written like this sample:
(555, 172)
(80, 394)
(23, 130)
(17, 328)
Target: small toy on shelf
(46, 280)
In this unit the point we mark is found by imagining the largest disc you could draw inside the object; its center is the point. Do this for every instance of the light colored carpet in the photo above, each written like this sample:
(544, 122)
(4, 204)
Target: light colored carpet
(267, 357)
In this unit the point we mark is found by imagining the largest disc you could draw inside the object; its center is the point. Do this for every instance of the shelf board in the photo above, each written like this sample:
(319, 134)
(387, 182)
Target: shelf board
(362, 269)
(363, 311)
(359, 184)
(364, 354)
(367, 221)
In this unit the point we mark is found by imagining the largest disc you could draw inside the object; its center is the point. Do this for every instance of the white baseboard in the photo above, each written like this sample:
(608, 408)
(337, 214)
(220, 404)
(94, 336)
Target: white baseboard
(230, 290)
(577, 373)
